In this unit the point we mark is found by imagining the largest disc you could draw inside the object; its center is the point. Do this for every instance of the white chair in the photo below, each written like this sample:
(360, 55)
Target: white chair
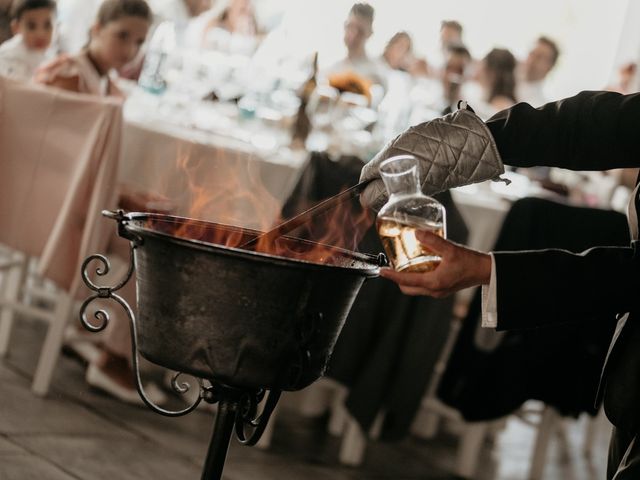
(59, 154)
(57, 317)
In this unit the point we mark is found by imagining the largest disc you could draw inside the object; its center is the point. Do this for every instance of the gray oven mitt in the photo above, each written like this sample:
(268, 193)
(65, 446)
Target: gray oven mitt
(455, 150)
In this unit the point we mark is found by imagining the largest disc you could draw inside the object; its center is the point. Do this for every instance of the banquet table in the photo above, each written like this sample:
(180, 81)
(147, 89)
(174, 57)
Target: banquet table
(201, 160)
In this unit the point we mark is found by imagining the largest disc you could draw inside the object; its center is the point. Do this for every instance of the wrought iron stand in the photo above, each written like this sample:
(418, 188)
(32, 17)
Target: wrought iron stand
(237, 407)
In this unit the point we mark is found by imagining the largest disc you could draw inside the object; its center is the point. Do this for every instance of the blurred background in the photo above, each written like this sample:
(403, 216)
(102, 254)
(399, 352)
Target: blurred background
(247, 112)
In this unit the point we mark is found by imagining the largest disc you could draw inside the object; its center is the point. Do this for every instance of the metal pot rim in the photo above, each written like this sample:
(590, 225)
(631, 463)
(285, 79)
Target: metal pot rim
(361, 259)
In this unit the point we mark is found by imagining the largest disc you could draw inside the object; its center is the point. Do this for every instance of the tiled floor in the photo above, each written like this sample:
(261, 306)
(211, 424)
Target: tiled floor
(76, 433)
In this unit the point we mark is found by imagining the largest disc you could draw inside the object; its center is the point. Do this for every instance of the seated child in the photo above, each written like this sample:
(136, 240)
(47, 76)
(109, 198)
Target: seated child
(32, 26)
(118, 33)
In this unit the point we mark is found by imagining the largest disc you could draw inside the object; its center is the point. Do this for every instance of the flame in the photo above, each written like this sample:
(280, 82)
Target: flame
(341, 228)
(236, 196)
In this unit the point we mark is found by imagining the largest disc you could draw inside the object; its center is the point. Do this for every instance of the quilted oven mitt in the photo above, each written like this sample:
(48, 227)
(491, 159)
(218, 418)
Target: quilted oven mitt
(452, 151)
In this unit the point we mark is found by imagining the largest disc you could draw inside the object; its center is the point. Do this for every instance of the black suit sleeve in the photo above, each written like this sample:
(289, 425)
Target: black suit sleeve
(590, 131)
(535, 288)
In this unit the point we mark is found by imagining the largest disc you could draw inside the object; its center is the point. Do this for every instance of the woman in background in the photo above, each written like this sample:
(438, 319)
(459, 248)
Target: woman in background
(397, 52)
(497, 79)
(398, 55)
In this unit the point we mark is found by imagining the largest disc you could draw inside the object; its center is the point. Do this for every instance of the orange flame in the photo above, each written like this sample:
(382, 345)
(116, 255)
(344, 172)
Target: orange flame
(215, 192)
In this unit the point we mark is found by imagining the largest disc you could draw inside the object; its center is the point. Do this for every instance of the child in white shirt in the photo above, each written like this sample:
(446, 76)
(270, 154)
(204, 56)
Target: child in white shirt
(32, 26)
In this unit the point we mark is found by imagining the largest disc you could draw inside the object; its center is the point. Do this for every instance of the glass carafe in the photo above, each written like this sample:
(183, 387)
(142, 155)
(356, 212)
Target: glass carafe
(407, 211)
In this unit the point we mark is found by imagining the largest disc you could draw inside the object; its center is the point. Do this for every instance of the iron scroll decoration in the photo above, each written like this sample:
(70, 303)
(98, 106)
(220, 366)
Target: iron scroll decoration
(211, 392)
(109, 293)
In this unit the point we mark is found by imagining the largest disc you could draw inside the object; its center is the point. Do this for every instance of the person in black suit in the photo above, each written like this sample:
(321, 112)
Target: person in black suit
(527, 289)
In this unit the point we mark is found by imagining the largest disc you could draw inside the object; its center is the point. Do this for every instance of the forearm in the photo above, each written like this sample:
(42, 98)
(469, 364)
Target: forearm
(590, 131)
(561, 285)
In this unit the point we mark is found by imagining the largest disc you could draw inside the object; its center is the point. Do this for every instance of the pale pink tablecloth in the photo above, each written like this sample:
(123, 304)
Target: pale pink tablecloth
(59, 155)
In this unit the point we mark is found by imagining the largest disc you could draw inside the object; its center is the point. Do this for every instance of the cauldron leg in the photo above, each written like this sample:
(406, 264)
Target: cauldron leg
(222, 430)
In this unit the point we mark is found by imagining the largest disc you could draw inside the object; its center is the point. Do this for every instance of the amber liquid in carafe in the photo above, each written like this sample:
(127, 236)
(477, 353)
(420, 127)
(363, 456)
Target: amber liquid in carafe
(404, 250)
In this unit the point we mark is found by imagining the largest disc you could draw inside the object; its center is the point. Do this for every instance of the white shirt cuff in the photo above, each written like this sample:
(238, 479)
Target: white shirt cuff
(490, 299)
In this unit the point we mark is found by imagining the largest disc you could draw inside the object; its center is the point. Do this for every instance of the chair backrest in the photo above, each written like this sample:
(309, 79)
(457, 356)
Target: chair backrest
(59, 154)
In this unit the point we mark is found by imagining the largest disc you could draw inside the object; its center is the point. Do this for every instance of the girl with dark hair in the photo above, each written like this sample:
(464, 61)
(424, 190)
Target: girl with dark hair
(118, 33)
(496, 76)
(397, 52)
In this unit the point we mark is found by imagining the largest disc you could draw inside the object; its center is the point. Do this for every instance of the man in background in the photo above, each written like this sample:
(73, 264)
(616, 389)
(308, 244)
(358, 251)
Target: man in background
(454, 74)
(534, 70)
(450, 34)
(357, 65)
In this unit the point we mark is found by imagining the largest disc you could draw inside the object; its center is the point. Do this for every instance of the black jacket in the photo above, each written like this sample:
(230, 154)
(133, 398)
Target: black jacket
(591, 131)
(560, 364)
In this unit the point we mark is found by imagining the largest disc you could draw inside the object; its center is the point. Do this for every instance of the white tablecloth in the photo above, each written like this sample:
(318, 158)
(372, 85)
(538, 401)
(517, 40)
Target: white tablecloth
(483, 212)
(218, 177)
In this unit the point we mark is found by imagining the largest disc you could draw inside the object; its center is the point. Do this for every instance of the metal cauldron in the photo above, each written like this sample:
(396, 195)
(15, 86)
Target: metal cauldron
(246, 319)
(242, 322)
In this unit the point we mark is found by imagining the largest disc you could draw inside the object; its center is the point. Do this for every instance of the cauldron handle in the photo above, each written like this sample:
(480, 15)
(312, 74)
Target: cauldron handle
(247, 416)
(108, 292)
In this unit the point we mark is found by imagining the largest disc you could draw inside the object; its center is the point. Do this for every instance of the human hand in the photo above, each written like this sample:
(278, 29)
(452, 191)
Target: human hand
(61, 66)
(452, 151)
(459, 268)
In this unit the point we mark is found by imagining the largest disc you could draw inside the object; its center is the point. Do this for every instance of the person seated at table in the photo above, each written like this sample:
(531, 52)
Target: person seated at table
(534, 71)
(450, 34)
(496, 77)
(357, 72)
(118, 33)
(32, 26)
(398, 55)
(397, 52)
(235, 30)
(433, 97)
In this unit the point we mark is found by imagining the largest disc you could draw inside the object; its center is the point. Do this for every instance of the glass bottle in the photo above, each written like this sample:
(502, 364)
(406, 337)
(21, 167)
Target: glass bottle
(154, 69)
(407, 211)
